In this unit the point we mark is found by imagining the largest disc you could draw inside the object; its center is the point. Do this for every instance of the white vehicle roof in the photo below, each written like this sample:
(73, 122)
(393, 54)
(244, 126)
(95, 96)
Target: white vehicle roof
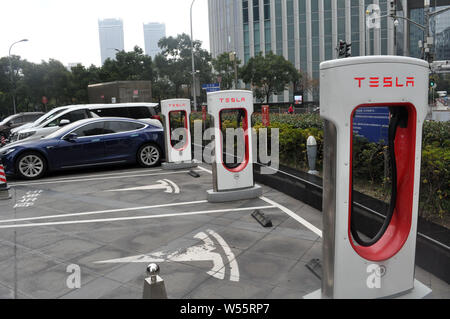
(70, 108)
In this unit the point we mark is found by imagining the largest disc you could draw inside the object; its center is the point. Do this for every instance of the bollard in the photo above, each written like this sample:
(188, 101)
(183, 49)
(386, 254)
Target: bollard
(312, 155)
(154, 287)
(4, 189)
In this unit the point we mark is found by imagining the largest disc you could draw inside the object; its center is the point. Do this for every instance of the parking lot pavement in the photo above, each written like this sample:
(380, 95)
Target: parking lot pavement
(104, 227)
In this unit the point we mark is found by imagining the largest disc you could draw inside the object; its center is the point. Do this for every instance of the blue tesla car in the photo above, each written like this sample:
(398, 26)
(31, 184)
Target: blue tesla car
(90, 142)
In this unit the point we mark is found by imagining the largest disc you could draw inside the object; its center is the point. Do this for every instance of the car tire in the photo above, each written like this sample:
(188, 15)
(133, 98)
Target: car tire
(149, 155)
(30, 166)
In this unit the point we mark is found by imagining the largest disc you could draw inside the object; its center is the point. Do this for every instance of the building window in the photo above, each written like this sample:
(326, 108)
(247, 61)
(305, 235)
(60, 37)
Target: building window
(328, 30)
(290, 30)
(245, 11)
(255, 10)
(355, 28)
(279, 27)
(256, 37)
(302, 35)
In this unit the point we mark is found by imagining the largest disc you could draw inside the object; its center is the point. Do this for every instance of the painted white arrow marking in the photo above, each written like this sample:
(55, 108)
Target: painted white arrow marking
(205, 252)
(169, 187)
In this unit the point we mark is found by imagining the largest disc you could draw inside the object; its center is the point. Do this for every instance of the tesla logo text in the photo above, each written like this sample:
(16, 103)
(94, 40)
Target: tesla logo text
(232, 100)
(177, 105)
(386, 82)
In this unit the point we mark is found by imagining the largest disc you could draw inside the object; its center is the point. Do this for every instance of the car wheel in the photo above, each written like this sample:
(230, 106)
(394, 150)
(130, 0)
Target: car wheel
(149, 155)
(31, 166)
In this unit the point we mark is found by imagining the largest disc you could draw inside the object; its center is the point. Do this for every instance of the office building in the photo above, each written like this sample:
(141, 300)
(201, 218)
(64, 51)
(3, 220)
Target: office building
(307, 32)
(153, 32)
(111, 38)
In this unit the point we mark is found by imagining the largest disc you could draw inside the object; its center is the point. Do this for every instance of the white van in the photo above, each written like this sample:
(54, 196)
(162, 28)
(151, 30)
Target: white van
(62, 116)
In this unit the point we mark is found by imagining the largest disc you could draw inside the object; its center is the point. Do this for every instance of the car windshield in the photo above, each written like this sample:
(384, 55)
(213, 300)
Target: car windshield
(48, 116)
(63, 130)
(6, 120)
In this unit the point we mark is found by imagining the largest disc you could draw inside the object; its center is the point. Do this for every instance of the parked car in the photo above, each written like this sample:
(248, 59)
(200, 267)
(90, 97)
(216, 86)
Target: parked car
(16, 120)
(88, 142)
(13, 135)
(70, 114)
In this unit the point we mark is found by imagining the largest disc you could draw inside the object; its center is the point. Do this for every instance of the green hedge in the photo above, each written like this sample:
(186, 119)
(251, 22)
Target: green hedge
(369, 158)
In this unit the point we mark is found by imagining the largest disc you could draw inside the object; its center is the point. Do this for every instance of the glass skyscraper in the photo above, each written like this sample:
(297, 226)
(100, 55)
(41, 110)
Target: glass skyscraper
(111, 38)
(307, 32)
(153, 32)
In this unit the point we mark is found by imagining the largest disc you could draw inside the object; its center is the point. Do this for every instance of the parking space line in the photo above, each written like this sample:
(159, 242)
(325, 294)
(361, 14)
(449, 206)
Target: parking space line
(302, 221)
(205, 170)
(88, 221)
(94, 179)
(110, 211)
(98, 175)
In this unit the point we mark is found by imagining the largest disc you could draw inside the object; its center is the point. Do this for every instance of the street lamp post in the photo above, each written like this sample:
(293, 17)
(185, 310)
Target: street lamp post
(427, 44)
(193, 62)
(11, 74)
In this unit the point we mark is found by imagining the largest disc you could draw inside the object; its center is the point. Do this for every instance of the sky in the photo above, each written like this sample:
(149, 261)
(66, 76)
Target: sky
(67, 30)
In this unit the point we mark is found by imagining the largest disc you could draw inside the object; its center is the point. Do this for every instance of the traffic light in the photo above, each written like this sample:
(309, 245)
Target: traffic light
(344, 49)
(433, 83)
(392, 8)
(348, 52)
(342, 46)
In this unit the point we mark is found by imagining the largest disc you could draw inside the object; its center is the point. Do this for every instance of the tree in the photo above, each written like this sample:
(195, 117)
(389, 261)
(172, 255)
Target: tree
(128, 66)
(309, 84)
(224, 67)
(175, 61)
(270, 74)
(80, 79)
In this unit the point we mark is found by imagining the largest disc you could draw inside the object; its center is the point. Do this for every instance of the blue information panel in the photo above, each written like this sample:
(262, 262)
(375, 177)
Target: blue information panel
(372, 123)
(212, 87)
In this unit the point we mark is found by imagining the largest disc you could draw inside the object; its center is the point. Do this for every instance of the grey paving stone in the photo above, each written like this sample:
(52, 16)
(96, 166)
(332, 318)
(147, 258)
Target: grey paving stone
(285, 293)
(281, 246)
(69, 248)
(123, 292)
(299, 278)
(51, 283)
(244, 289)
(263, 268)
(95, 289)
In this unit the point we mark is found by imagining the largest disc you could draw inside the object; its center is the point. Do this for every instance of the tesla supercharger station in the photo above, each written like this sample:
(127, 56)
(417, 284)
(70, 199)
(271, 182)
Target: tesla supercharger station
(381, 267)
(232, 182)
(176, 113)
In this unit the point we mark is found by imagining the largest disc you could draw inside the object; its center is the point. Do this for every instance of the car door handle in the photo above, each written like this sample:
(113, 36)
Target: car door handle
(96, 140)
(134, 135)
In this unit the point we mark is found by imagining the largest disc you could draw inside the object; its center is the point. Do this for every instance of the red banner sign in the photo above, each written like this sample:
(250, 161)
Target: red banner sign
(265, 115)
(204, 112)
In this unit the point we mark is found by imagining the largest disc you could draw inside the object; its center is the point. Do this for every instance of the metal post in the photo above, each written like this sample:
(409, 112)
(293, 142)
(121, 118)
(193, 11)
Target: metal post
(235, 71)
(11, 74)
(426, 49)
(193, 62)
(154, 287)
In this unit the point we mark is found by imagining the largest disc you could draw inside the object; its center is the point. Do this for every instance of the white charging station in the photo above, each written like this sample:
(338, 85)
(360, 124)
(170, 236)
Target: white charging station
(232, 182)
(384, 268)
(178, 153)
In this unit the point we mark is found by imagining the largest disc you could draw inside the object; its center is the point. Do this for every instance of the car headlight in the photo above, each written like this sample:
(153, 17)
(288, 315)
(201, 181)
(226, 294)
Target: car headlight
(7, 151)
(23, 136)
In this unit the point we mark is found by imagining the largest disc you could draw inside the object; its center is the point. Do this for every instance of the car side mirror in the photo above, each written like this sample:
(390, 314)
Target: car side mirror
(70, 137)
(64, 122)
